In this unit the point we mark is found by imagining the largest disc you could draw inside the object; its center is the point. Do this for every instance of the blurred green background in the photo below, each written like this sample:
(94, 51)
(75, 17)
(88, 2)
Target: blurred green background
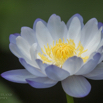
(17, 13)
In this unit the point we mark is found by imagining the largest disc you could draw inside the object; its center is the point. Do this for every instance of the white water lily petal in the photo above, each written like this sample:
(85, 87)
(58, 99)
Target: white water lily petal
(43, 35)
(76, 86)
(33, 53)
(41, 82)
(72, 65)
(97, 73)
(74, 30)
(35, 22)
(14, 49)
(79, 17)
(89, 31)
(23, 45)
(56, 27)
(93, 44)
(28, 34)
(18, 76)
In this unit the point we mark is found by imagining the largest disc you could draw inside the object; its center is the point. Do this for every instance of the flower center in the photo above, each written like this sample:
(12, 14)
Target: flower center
(61, 51)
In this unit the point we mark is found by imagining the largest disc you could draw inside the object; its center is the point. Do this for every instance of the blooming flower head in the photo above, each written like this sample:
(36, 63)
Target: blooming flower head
(55, 51)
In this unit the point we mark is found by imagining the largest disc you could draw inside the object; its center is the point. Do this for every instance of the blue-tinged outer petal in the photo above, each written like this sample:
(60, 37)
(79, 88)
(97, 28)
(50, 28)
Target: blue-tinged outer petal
(100, 49)
(31, 69)
(37, 20)
(17, 76)
(89, 65)
(56, 73)
(41, 82)
(76, 86)
(101, 59)
(97, 73)
(41, 65)
(12, 38)
(79, 17)
(100, 24)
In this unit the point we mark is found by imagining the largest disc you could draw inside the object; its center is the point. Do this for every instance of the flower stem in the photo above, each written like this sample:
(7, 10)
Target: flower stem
(69, 99)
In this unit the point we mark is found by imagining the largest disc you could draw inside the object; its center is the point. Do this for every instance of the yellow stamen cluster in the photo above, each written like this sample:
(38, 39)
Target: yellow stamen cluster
(61, 51)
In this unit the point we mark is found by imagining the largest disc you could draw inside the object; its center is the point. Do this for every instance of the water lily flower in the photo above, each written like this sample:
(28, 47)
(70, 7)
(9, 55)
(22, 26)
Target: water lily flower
(55, 51)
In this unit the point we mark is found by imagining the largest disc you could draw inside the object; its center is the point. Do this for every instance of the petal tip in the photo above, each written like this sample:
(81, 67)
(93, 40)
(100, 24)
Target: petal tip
(54, 16)
(21, 60)
(28, 81)
(97, 55)
(78, 15)
(2, 75)
(36, 21)
(5, 75)
(23, 28)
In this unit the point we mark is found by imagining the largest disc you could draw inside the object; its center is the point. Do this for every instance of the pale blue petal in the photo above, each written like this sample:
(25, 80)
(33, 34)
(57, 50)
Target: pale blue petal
(42, 65)
(73, 64)
(76, 86)
(41, 82)
(100, 49)
(100, 24)
(101, 59)
(12, 38)
(18, 76)
(56, 73)
(97, 73)
(89, 65)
